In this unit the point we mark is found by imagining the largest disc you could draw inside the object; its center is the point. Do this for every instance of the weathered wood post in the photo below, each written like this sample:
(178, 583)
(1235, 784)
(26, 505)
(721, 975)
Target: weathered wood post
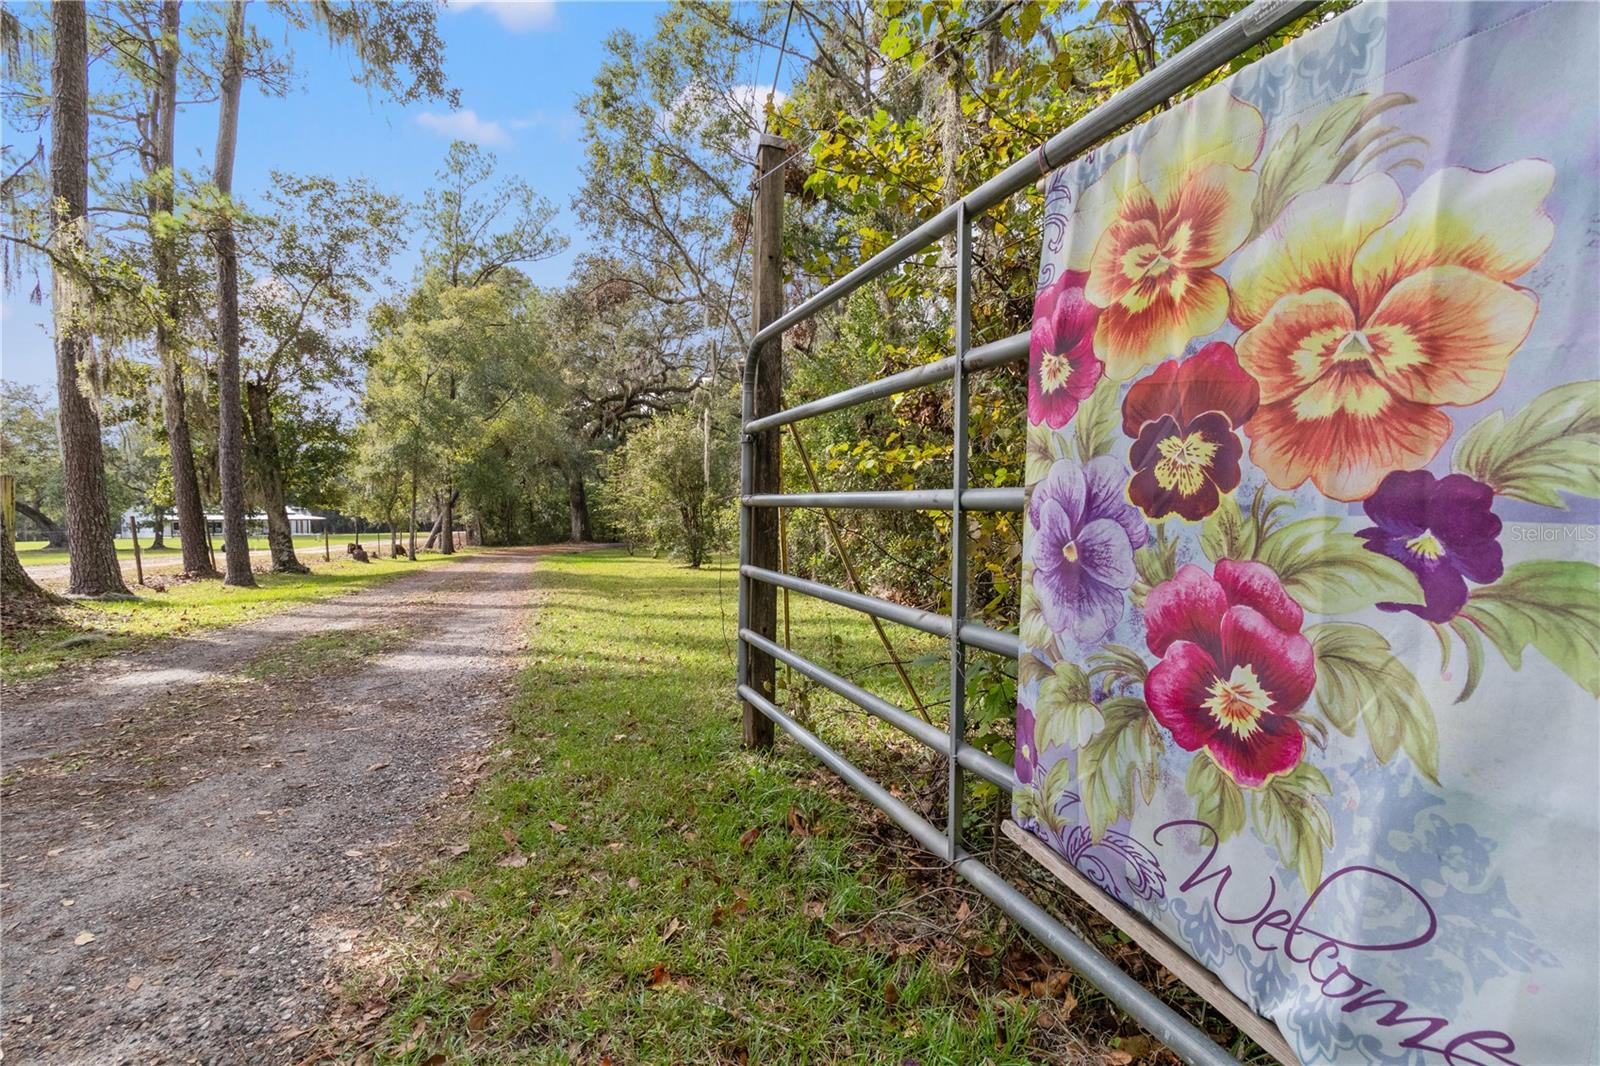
(327, 556)
(138, 557)
(766, 284)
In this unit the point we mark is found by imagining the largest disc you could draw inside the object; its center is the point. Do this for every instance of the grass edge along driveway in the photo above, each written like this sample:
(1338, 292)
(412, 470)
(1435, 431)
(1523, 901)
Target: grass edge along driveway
(634, 888)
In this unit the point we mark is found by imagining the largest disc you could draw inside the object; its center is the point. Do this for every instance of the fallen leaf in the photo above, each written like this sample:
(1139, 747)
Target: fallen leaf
(135, 982)
(557, 960)
(465, 895)
(633, 883)
(814, 909)
(659, 977)
(436, 1059)
(983, 951)
(511, 839)
(672, 928)
(513, 861)
(891, 994)
(478, 1019)
(460, 850)
(797, 823)
(558, 827)
(457, 979)
(749, 837)
(1116, 1057)
(377, 766)
(53, 852)
(68, 902)
(83, 938)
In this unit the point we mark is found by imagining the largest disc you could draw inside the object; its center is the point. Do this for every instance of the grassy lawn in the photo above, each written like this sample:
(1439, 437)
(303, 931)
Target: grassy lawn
(33, 553)
(631, 887)
(95, 628)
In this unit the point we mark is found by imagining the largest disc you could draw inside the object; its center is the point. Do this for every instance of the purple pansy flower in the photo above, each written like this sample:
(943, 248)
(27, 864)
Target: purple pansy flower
(1062, 368)
(1026, 758)
(1083, 553)
(1440, 528)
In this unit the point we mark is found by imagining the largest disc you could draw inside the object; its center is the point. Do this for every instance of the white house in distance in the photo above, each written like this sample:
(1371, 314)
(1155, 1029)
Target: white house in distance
(301, 522)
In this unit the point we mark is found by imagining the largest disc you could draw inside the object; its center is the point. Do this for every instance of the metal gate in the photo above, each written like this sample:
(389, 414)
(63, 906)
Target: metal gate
(1230, 39)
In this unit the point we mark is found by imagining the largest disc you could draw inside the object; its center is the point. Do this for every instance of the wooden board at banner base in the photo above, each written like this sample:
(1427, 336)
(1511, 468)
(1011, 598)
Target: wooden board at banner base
(1156, 944)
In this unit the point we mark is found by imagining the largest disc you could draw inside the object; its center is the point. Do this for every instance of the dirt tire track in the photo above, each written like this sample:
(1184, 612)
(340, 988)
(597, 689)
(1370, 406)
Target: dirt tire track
(221, 837)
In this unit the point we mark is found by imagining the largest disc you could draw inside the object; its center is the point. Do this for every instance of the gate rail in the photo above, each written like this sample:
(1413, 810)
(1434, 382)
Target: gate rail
(1227, 41)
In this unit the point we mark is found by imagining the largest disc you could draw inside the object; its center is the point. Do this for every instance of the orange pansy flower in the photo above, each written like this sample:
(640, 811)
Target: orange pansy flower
(1364, 313)
(1150, 231)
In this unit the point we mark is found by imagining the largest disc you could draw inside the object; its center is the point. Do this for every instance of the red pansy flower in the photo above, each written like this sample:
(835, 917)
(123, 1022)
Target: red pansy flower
(1234, 667)
(1062, 368)
(1182, 417)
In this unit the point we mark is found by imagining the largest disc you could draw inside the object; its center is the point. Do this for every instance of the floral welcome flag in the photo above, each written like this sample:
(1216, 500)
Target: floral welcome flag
(1311, 598)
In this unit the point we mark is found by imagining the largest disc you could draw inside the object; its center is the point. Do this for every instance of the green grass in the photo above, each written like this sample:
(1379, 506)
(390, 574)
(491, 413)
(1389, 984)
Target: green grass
(33, 553)
(322, 653)
(93, 629)
(636, 885)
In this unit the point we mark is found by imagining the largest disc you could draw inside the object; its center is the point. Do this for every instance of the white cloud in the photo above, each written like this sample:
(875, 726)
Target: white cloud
(465, 125)
(564, 124)
(518, 16)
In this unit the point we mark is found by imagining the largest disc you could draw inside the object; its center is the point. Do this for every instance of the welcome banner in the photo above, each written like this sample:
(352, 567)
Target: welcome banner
(1311, 609)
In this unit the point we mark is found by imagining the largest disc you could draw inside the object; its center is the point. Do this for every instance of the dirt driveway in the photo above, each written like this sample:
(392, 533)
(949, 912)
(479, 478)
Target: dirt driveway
(191, 833)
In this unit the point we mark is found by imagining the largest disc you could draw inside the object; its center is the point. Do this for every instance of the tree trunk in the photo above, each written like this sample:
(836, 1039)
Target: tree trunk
(447, 523)
(412, 550)
(158, 539)
(55, 536)
(93, 569)
(23, 601)
(163, 244)
(578, 509)
(439, 517)
(262, 446)
(230, 412)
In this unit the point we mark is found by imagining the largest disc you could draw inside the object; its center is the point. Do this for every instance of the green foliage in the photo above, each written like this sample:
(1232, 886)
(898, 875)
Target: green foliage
(1290, 812)
(1360, 678)
(1550, 605)
(1118, 763)
(1219, 802)
(1548, 448)
(656, 490)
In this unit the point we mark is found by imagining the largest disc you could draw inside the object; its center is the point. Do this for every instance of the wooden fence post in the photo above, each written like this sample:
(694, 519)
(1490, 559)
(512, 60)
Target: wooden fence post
(766, 285)
(138, 557)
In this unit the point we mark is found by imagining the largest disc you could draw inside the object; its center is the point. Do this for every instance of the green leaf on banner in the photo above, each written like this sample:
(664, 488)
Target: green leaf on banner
(1157, 561)
(1219, 802)
(1545, 449)
(1551, 604)
(1040, 453)
(1474, 645)
(1329, 571)
(1289, 812)
(1057, 782)
(1358, 676)
(1118, 763)
(1031, 668)
(1226, 533)
(1064, 713)
(1094, 427)
(1119, 663)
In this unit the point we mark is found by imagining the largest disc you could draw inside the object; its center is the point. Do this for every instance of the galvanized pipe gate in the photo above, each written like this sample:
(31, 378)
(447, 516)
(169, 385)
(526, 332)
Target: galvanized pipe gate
(756, 652)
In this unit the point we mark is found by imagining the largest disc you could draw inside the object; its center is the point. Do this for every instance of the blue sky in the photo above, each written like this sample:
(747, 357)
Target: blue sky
(520, 68)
